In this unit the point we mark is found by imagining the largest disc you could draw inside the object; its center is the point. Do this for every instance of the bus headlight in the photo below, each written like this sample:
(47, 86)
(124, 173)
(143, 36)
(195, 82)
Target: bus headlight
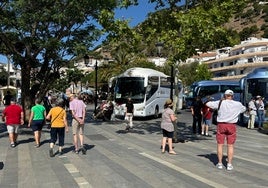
(140, 109)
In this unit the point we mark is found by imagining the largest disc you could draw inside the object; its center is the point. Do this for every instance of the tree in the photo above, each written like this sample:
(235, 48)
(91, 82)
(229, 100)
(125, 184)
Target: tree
(183, 31)
(3, 77)
(45, 35)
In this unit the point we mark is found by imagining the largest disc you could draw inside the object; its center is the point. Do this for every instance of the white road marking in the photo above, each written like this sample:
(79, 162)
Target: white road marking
(183, 171)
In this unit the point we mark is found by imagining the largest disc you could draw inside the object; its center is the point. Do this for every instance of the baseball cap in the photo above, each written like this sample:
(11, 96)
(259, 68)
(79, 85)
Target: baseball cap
(258, 96)
(229, 92)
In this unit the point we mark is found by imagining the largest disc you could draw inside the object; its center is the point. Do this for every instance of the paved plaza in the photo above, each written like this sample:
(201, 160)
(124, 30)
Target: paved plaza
(119, 159)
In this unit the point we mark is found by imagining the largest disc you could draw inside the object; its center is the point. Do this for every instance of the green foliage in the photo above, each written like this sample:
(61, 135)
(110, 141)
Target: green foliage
(265, 33)
(189, 73)
(3, 77)
(248, 32)
(203, 73)
(185, 31)
(48, 33)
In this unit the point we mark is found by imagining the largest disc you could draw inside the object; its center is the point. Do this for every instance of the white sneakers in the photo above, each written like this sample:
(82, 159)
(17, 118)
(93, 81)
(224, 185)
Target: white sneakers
(219, 166)
(229, 166)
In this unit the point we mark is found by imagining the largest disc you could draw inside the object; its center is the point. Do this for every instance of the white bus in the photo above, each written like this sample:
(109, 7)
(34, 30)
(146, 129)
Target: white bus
(148, 89)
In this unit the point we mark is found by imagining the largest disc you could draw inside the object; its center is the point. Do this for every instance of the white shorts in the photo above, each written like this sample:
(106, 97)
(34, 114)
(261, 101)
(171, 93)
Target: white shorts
(13, 128)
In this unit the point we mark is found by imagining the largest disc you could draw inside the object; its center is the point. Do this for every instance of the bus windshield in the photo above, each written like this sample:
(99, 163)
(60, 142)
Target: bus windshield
(132, 87)
(257, 86)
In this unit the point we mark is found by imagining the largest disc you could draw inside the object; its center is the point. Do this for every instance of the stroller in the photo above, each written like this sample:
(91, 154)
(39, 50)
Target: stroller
(104, 111)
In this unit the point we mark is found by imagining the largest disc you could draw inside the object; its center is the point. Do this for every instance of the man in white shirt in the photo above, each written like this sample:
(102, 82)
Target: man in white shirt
(252, 113)
(228, 112)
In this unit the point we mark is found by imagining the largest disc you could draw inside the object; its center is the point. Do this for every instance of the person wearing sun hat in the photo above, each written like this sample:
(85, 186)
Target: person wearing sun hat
(260, 111)
(228, 112)
(168, 117)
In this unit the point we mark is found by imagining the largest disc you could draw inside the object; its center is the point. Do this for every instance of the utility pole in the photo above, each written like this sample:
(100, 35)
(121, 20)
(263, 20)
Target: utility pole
(8, 71)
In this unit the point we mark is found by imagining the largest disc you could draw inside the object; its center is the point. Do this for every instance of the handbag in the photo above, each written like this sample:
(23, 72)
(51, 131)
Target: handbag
(49, 124)
(215, 114)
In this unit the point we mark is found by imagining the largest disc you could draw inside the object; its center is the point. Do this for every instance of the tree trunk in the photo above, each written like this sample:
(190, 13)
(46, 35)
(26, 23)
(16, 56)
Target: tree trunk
(26, 99)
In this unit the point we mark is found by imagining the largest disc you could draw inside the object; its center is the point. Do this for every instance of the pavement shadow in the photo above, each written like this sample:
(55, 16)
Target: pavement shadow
(25, 141)
(43, 142)
(214, 158)
(263, 131)
(1, 165)
(133, 130)
(3, 127)
(71, 148)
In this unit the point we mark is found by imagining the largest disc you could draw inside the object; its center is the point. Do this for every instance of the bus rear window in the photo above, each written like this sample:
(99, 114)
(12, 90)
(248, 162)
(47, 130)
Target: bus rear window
(207, 90)
(235, 89)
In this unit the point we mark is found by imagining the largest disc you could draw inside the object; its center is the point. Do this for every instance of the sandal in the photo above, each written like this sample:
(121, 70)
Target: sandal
(163, 152)
(172, 153)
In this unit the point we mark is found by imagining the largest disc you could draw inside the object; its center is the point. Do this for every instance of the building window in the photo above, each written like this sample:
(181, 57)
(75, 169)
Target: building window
(250, 60)
(265, 58)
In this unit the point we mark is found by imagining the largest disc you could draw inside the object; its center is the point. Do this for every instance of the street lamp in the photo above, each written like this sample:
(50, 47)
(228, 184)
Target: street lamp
(159, 46)
(96, 85)
(86, 60)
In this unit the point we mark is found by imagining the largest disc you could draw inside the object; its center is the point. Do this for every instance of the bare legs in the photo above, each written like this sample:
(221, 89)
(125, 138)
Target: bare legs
(81, 138)
(13, 137)
(37, 137)
(164, 141)
(230, 152)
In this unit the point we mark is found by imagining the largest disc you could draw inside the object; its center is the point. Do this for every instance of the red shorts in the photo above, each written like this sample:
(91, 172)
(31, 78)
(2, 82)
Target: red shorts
(226, 130)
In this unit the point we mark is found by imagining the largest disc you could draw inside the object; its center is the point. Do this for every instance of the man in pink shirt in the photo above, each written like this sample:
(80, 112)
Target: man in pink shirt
(14, 117)
(78, 110)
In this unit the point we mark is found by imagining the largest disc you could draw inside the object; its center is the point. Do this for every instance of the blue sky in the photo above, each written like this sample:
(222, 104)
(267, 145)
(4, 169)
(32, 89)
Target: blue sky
(136, 14)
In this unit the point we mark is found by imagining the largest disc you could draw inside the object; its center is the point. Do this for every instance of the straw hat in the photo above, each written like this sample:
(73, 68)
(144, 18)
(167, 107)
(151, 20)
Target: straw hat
(168, 102)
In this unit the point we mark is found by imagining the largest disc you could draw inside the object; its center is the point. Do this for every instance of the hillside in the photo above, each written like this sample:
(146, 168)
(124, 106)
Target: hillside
(253, 21)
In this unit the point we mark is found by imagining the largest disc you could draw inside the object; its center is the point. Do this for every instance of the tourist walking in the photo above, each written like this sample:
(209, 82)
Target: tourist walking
(196, 110)
(57, 116)
(207, 114)
(252, 113)
(260, 111)
(7, 98)
(228, 112)
(78, 110)
(37, 120)
(168, 118)
(13, 116)
(129, 110)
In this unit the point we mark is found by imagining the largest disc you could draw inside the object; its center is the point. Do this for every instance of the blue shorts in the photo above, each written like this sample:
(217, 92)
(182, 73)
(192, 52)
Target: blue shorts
(167, 134)
(207, 122)
(37, 125)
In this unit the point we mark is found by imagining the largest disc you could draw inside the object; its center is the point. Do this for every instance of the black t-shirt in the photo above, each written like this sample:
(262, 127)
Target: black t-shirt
(197, 107)
(7, 99)
(130, 107)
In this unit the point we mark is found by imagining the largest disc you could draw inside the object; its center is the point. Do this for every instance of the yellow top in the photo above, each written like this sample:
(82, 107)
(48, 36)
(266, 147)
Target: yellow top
(58, 117)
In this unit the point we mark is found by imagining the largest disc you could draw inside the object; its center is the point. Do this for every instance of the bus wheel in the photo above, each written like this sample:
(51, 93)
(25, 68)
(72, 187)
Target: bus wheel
(156, 111)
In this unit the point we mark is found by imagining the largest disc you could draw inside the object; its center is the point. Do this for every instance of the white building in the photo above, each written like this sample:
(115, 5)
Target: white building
(233, 63)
